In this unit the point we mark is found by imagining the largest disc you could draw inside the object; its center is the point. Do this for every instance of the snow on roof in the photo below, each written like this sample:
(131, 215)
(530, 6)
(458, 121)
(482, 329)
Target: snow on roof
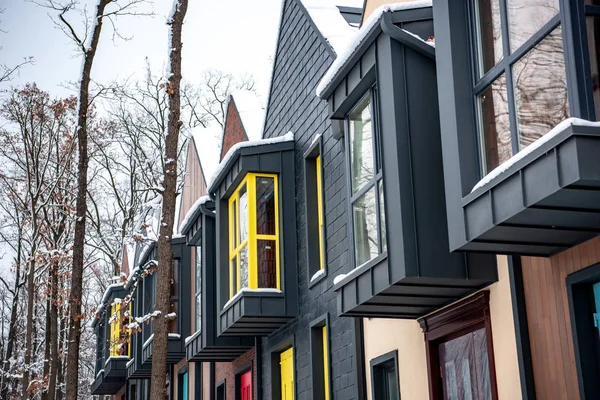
(288, 137)
(502, 168)
(188, 219)
(207, 146)
(330, 22)
(368, 26)
(251, 111)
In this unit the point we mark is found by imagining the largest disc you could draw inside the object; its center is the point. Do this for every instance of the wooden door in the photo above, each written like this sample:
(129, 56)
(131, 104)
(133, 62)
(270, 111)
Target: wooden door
(246, 386)
(287, 374)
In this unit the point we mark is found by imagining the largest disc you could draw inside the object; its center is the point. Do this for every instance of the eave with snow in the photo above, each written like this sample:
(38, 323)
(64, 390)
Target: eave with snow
(414, 274)
(261, 310)
(544, 200)
(204, 344)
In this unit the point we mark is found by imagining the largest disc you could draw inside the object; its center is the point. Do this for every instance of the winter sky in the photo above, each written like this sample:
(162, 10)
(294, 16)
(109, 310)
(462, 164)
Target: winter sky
(237, 36)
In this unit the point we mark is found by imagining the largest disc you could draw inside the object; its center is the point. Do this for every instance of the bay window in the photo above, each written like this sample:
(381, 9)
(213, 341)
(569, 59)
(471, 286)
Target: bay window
(366, 182)
(254, 234)
(521, 85)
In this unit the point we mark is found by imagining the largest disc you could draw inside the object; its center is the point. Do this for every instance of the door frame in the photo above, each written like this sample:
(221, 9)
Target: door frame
(243, 369)
(453, 321)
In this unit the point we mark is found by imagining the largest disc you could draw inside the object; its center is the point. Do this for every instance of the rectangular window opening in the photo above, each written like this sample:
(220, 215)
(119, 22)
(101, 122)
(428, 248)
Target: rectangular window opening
(320, 361)
(315, 217)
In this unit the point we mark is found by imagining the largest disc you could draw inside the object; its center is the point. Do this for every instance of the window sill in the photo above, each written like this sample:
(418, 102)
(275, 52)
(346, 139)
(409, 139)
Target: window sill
(317, 278)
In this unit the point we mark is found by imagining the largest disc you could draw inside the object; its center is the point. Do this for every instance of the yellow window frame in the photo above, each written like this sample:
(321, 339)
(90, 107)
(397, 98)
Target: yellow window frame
(320, 210)
(325, 364)
(116, 312)
(253, 237)
(286, 365)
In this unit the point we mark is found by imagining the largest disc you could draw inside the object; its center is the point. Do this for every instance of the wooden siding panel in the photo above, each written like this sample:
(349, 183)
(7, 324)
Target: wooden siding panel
(547, 306)
(194, 185)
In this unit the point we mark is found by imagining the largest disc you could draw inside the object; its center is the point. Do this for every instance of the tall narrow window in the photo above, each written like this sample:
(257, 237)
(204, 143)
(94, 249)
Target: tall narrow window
(315, 218)
(198, 284)
(174, 305)
(521, 86)
(320, 361)
(366, 188)
(254, 234)
(286, 366)
(384, 377)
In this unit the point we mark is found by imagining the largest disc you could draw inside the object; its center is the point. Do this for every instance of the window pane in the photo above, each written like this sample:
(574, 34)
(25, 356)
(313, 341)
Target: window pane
(175, 283)
(198, 309)
(489, 34)
(265, 206)
(540, 89)
(244, 267)
(243, 215)
(382, 217)
(593, 36)
(526, 17)
(198, 269)
(267, 264)
(495, 125)
(361, 144)
(233, 278)
(365, 227)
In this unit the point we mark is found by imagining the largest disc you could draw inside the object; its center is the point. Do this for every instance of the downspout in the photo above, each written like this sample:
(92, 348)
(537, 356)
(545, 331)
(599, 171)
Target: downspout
(258, 360)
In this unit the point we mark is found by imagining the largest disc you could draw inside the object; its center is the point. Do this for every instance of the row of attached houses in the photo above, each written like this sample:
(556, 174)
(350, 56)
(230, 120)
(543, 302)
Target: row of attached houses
(415, 214)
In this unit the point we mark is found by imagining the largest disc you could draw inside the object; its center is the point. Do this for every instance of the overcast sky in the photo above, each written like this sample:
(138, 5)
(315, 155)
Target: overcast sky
(236, 36)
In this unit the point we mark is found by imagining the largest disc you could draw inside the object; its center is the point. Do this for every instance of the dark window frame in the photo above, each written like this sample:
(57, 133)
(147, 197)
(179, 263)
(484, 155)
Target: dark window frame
(374, 183)
(316, 359)
(197, 290)
(504, 67)
(377, 363)
(221, 385)
(578, 285)
(454, 321)
(313, 246)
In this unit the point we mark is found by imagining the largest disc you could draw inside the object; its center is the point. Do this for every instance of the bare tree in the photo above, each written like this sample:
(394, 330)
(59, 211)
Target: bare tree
(165, 252)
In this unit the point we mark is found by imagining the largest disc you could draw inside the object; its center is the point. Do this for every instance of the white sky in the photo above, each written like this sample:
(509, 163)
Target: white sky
(237, 36)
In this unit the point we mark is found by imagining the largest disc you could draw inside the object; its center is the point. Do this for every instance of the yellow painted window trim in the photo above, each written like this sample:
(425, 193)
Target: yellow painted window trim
(286, 367)
(325, 363)
(320, 210)
(116, 333)
(251, 240)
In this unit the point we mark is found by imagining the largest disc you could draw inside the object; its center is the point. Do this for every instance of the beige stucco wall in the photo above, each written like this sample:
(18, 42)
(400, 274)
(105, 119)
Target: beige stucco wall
(371, 5)
(385, 335)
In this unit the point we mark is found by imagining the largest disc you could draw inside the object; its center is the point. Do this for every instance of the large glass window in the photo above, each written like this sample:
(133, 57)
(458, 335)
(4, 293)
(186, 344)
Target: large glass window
(521, 89)
(198, 295)
(368, 215)
(254, 234)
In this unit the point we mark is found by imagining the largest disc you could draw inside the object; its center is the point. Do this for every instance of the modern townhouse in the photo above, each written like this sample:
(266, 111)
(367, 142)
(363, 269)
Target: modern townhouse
(417, 216)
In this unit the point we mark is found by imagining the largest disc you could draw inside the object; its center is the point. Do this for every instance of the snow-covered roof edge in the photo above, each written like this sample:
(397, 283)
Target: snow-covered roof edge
(504, 167)
(363, 33)
(190, 217)
(288, 137)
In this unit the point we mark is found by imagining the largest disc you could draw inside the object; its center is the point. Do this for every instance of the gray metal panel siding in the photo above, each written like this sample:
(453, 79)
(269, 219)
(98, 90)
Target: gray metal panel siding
(301, 60)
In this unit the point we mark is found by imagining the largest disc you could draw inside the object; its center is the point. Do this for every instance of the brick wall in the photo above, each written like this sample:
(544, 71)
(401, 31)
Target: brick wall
(234, 130)
(301, 60)
(227, 370)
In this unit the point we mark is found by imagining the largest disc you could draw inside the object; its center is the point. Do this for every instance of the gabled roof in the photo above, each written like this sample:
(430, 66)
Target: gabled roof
(251, 112)
(330, 22)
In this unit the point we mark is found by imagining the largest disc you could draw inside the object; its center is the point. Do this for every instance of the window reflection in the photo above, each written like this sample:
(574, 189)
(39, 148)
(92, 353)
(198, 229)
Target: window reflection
(495, 124)
(365, 228)
(489, 33)
(540, 89)
(361, 144)
(526, 17)
(593, 36)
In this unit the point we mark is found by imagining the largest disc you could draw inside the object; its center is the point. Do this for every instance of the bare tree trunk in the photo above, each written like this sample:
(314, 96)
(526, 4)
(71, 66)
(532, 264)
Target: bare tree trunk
(54, 333)
(29, 325)
(47, 334)
(165, 252)
(72, 373)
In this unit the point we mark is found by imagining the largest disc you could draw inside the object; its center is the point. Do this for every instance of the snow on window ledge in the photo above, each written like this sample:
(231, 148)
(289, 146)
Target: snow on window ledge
(187, 220)
(192, 337)
(247, 290)
(317, 275)
(504, 167)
